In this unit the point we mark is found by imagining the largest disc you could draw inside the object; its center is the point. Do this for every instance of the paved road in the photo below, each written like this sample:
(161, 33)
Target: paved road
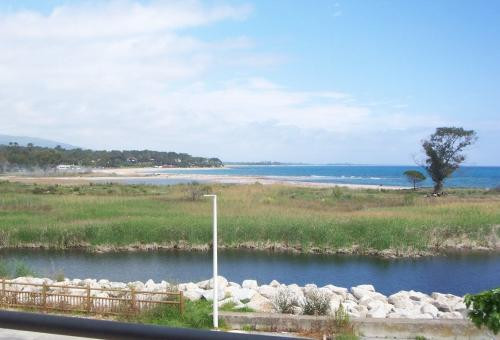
(22, 335)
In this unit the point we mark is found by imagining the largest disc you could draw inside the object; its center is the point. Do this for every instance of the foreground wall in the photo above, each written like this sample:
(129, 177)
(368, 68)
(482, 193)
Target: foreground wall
(371, 328)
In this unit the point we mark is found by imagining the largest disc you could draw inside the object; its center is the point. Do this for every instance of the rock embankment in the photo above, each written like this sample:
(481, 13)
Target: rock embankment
(358, 302)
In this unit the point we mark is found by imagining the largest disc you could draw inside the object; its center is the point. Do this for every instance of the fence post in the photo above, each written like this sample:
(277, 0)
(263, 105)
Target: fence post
(44, 296)
(89, 299)
(181, 302)
(4, 299)
(133, 298)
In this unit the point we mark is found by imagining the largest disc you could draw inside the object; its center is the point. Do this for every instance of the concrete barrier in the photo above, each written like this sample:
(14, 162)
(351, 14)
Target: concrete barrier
(369, 328)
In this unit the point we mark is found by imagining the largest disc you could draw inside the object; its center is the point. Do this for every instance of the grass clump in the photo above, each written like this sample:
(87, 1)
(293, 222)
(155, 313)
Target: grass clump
(196, 314)
(13, 269)
(231, 307)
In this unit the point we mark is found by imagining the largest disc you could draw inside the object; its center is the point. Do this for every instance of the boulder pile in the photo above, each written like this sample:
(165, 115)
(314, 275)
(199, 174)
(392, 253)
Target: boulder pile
(361, 301)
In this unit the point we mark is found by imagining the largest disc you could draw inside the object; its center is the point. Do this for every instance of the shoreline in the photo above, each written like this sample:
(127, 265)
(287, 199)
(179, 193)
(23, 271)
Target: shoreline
(270, 247)
(121, 175)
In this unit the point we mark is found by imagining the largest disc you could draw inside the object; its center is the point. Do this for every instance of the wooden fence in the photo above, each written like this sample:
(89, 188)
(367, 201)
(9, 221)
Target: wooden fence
(85, 299)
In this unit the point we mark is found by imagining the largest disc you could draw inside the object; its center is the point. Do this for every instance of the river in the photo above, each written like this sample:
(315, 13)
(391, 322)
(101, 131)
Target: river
(453, 273)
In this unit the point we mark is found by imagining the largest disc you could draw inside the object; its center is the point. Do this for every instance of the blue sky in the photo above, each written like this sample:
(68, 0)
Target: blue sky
(320, 82)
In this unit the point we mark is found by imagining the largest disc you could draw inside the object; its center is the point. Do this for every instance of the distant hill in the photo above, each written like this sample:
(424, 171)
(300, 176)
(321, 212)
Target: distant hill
(23, 141)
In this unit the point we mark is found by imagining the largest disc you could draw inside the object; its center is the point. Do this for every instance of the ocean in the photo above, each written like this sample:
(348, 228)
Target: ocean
(464, 177)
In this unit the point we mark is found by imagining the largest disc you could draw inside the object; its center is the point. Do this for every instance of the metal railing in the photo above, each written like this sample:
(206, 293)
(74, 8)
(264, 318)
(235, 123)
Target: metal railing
(84, 299)
(103, 329)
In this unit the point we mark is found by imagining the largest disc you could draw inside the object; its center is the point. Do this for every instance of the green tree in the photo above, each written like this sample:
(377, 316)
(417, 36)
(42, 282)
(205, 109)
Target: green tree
(485, 309)
(444, 152)
(414, 177)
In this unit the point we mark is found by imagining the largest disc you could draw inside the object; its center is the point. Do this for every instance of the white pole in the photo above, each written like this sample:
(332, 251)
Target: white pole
(215, 285)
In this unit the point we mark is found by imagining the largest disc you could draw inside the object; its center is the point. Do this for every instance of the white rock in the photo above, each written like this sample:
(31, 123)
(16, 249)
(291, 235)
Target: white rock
(450, 315)
(191, 286)
(335, 302)
(209, 294)
(395, 315)
(244, 294)
(418, 296)
(379, 312)
(137, 285)
(363, 310)
(221, 282)
(194, 295)
(250, 284)
(150, 283)
(234, 284)
(460, 307)
(401, 300)
(337, 290)
(203, 284)
(354, 314)
(260, 304)
(349, 305)
(374, 304)
(183, 286)
(267, 291)
(445, 302)
(372, 296)
(369, 288)
(309, 288)
(429, 309)
(118, 285)
(359, 292)
(274, 284)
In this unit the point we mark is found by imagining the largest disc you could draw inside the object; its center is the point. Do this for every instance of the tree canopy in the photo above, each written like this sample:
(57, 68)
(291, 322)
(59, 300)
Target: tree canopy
(414, 177)
(444, 152)
(14, 156)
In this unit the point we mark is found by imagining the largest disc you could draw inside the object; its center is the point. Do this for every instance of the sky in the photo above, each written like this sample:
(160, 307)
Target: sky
(292, 81)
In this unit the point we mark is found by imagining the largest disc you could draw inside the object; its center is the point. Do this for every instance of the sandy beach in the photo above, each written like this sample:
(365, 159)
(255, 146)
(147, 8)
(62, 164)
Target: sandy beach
(120, 175)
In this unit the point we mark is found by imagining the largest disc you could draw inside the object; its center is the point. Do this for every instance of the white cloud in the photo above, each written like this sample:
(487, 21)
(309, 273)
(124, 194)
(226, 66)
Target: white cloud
(129, 75)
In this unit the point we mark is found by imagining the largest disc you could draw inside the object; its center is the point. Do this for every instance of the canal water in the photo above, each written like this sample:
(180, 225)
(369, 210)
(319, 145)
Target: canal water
(454, 273)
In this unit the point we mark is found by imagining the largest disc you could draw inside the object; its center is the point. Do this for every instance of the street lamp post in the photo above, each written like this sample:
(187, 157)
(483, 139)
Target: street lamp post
(215, 284)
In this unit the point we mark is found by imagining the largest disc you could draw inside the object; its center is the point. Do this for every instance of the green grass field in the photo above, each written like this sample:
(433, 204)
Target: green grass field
(253, 215)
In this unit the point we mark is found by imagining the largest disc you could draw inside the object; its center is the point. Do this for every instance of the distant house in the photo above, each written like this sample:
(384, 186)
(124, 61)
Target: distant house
(64, 167)
(131, 160)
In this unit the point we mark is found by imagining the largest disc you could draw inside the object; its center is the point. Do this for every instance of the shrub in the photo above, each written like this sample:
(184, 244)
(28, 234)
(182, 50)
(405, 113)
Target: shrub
(4, 270)
(340, 325)
(22, 269)
(485, 309)
(284, 301)
(316, 303)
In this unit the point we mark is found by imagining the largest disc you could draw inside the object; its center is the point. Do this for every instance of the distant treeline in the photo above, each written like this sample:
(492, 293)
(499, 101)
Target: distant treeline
(14, 156)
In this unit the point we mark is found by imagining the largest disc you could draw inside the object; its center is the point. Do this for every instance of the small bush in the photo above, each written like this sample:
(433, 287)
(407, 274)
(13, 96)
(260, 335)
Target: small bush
(284, 301)
(316, 303)
(485, 309)
(22, 269)
(4, 270)
(340, 325)
(59, 276)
